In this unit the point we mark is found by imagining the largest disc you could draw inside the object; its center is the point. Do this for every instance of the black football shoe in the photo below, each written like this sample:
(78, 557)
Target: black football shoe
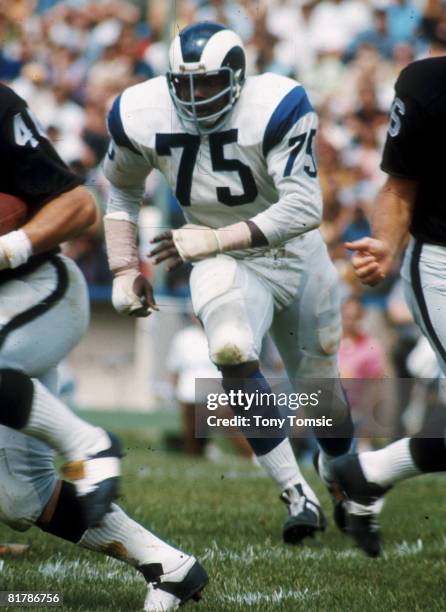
(363, 502)
(171, 590)
(305, 517)
(339, 510)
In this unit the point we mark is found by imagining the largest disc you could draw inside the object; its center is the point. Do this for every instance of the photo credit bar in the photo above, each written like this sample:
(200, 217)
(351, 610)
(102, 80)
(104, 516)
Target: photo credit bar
(307, 407)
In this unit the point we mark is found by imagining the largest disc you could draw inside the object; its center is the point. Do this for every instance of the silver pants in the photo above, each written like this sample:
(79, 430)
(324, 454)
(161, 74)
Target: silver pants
(43, 315)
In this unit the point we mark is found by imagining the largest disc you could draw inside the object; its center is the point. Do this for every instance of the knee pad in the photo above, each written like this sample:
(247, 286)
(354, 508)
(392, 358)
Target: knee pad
(16, 398)
(231, 345)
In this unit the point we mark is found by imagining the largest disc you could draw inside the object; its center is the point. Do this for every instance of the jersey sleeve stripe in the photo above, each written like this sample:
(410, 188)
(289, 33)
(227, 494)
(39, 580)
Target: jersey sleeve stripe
(116, 128)
(292, 108)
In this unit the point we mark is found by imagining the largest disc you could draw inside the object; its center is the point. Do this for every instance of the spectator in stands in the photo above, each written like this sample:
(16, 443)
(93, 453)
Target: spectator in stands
(403, 20)
(361, 357)
(378, 37)
(228, 12)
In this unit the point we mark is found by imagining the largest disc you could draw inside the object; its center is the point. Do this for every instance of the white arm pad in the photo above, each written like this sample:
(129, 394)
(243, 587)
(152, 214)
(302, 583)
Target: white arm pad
(120, 238)
(195, 242)
(234, 237)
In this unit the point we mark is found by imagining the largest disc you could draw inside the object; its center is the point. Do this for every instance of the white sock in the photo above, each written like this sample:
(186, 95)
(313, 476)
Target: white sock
(121, 537)
(55, 424)
(389, 465)
(280, 463)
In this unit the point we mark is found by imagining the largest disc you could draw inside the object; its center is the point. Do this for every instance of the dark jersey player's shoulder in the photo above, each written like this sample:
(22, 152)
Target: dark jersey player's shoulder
(425, 82)
(9, 100)
(31, 167)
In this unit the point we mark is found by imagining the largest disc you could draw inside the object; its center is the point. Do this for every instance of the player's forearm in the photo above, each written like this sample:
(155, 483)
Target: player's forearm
(120, 239)
(196, 242)
(132, 293)
(393, 213)
(289, 217)
(120, 225)
(239, 236)
(61, 219)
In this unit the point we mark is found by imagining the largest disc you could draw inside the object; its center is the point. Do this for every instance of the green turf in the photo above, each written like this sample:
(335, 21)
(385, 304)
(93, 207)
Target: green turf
(152, 423)
(229, 515)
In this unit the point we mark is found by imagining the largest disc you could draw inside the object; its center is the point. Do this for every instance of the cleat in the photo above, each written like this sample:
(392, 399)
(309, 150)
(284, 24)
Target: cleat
(339, 510)
(96, 479)
(305, 517)
(172, 590)
(364, 502)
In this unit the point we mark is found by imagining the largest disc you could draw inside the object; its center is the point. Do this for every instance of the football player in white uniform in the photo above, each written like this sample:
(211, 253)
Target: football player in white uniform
(239, 155)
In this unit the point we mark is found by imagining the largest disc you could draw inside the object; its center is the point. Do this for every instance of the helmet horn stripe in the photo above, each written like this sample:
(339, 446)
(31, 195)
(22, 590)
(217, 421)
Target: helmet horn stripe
(194, 41)
(217, 48)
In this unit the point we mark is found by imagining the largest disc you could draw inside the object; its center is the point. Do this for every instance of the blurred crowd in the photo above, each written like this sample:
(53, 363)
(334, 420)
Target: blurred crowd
(70, 58)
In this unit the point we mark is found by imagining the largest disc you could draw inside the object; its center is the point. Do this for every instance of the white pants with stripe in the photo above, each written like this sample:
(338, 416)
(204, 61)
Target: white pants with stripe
(424, 277)
(43, 315)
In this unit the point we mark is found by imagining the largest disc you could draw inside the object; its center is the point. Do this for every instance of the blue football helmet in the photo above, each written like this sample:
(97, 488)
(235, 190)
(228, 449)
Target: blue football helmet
(206, 76)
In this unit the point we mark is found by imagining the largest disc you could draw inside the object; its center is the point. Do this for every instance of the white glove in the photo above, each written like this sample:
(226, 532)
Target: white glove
(195, 242)
(132, 294)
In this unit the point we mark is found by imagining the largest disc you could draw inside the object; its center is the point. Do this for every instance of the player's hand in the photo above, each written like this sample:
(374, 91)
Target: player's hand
(133, 294)
(189, 243)
(372, 260)
(166, 250)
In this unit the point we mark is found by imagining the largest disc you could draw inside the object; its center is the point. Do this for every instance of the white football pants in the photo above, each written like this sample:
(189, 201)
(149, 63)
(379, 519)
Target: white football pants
(43, 315)
(294, 294)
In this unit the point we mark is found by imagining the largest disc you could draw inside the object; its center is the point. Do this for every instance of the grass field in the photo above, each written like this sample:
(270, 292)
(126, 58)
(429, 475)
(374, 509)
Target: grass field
(229, 515)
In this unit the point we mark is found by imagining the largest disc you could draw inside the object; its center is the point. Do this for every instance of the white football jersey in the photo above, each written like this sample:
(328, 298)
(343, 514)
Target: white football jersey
(260, 165)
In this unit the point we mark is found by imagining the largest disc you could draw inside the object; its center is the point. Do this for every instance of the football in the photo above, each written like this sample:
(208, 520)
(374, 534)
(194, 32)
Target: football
(13, 213)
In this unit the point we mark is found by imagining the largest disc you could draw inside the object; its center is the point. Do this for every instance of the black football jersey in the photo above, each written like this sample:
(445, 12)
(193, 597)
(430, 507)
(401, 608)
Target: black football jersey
(416, 141)
(30, 168)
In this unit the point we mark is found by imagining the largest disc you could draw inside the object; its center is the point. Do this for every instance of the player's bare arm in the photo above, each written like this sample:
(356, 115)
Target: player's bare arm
(61, 219)
(374, 256)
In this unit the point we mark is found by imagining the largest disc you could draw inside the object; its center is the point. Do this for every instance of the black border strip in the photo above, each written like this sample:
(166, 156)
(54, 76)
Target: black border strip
(40, 308)
(419, 296)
